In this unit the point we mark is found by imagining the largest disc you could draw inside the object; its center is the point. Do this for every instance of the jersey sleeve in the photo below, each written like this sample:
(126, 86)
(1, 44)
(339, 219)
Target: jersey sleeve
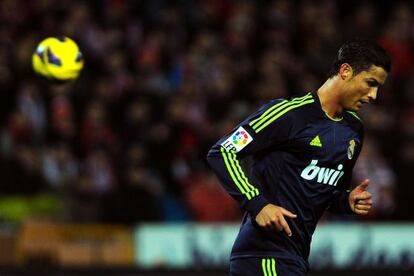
(270, 127)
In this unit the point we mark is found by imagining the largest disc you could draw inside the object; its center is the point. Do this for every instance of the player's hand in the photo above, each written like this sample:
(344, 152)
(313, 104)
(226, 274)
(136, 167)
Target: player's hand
(273, 217)
(360, 200)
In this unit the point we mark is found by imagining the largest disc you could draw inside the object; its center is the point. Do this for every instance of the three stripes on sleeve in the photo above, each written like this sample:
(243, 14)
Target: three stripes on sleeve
(237, 174)
(269, 267)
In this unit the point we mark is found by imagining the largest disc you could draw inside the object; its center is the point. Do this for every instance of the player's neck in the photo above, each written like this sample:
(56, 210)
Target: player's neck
(330, 99)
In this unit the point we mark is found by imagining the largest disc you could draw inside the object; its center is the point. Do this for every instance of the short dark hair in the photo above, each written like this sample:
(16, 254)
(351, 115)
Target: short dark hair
(361, 54)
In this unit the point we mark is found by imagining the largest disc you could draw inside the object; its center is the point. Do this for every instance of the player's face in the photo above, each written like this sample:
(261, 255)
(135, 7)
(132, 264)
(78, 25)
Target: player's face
(363, 88)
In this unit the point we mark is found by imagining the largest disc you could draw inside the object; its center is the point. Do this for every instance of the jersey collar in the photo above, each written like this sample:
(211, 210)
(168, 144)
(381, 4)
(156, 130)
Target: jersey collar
(319, 107)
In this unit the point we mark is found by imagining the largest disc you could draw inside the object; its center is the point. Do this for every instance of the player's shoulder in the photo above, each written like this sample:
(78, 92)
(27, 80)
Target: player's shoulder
(283, 111)
(292, 103)
(300, 108)
(304, 106)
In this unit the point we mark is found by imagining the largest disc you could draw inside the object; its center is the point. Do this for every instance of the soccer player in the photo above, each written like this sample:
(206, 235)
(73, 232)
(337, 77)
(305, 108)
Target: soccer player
(293, 159)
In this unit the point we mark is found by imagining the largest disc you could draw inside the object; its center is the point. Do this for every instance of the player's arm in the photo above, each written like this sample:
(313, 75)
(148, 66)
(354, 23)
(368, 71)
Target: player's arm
(270, 127)
(358, 201)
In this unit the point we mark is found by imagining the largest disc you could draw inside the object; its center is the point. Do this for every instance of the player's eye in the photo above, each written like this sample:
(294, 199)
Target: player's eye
(372, 83)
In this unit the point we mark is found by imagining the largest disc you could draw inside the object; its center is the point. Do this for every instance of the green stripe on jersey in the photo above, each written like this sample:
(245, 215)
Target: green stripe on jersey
(355, 115)
(276, 108)
(264, 267)
(274, 267)
(280, 112)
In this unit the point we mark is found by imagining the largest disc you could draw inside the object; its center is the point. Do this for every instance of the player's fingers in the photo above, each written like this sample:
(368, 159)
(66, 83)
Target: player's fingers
(288, 213)
(265, 222)
(364, 185)
(364, 201)
(285, 226)
(278, 227)
(272, 226)
(363, 196)
(362, 207)
(275, 225)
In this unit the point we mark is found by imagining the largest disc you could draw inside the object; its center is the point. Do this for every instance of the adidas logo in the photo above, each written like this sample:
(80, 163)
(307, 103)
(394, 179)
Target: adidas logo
(316, 142)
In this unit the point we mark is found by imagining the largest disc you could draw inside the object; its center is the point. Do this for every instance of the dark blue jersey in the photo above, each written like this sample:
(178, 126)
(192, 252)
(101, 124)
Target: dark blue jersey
(291, 154)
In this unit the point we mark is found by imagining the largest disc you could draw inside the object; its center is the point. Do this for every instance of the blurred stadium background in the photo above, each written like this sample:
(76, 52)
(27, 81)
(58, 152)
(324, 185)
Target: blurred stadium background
(107, 175)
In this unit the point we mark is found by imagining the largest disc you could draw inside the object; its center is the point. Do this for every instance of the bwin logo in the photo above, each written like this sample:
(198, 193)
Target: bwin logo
(325, 175)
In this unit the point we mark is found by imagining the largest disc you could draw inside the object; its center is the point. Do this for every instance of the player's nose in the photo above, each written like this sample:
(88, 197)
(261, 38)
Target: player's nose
(372, 95)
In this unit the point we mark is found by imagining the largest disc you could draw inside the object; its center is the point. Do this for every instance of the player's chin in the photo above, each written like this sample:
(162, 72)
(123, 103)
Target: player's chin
(355, 107)
(358, 106)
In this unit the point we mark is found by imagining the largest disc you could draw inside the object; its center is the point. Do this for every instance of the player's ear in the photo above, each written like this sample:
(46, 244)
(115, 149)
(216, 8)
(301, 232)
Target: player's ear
(345, 71)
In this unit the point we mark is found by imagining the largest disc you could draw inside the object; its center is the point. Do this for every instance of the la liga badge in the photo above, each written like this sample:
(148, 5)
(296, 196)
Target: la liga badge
(238, 140)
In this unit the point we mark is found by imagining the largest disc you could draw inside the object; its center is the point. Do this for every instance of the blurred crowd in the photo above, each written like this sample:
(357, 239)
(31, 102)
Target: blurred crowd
(163, 80)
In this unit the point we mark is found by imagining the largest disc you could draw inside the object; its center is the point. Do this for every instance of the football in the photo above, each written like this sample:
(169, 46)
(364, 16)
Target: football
(58, 59)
